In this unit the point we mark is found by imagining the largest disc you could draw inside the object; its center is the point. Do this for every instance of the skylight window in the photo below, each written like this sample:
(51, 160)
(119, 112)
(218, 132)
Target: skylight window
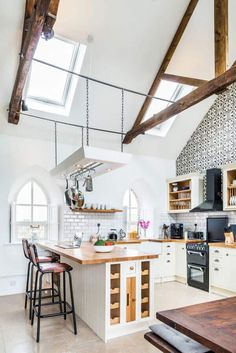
(167, 90)
(47, 85)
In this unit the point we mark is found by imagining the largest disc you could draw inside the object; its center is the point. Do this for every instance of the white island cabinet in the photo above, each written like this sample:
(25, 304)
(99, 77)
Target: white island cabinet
(113, 292)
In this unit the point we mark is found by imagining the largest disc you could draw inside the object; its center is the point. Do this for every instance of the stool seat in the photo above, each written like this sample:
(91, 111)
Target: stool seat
(42, 259)
(56, 267)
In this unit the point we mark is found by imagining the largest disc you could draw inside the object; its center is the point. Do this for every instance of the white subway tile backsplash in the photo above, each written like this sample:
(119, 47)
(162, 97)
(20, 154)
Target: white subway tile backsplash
(87, 223)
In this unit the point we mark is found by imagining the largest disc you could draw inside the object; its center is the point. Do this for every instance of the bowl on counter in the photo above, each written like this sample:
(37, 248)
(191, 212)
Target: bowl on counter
(104, 248)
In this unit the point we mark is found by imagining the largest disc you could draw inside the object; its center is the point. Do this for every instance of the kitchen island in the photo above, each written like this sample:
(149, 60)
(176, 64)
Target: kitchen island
(114, 292)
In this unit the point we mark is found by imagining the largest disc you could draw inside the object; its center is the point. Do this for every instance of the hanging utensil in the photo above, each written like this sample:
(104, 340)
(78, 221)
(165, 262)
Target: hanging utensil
(88, 183)
(67, 194)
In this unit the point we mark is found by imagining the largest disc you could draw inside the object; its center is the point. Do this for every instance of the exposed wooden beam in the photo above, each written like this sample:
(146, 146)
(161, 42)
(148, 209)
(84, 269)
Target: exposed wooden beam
(221, 36)
(167, 59)
(206, 90)
(42, 12)
(195, 82)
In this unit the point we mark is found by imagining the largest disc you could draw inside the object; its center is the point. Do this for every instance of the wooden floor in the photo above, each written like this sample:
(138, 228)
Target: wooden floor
(17, 336)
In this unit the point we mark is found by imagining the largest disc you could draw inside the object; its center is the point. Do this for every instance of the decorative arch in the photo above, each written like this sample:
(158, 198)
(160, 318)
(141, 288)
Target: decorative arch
(54, 197)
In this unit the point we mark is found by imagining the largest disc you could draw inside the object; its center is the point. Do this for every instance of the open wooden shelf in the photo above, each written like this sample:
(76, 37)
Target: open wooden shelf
(115, 305)
(185, 199)
(144, 313)
(145, 272)
(115, 320)
(180, 191)
(115, 275)
(115, 290)
(145, 289)
(231, 189)
(93, 210)
(115, 294)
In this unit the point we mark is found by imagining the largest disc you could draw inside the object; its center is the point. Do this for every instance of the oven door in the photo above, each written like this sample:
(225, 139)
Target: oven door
(197, 257)
(198, 277)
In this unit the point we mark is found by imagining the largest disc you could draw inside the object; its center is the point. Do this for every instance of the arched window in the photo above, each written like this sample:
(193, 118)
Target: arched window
(30, 213)
(131, 206)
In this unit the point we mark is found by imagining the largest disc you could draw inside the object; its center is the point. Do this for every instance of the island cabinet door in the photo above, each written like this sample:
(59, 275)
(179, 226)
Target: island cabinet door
(130, 299)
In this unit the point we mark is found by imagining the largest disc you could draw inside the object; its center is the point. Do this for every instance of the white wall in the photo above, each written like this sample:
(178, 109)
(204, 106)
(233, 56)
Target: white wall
(18, 156)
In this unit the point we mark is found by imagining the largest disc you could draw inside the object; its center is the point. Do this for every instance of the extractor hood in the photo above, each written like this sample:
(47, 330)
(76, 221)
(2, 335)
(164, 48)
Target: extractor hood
(90, 158)
(213, 192)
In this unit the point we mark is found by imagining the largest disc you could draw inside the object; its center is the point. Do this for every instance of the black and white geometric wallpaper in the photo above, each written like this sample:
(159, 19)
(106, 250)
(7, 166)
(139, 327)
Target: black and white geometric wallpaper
(213, 143)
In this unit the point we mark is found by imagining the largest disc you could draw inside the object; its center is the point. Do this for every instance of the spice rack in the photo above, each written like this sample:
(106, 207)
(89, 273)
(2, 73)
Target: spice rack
(145, 294)
(184, 193)
(115, 294)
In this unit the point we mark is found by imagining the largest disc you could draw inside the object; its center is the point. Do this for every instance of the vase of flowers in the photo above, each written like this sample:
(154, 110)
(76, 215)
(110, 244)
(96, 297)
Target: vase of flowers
(144, 225)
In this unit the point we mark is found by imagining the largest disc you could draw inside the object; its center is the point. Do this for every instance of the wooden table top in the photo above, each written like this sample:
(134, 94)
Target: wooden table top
(212, 324)
(86, 254)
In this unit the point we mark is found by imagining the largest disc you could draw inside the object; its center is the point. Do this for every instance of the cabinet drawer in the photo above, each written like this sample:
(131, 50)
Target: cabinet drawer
(216, 261)
(130, 268)
(168, 247)
(217, 252)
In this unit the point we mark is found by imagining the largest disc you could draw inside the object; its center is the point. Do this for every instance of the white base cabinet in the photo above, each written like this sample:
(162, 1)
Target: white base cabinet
(181, 262)
(171, 264)
(222, 269)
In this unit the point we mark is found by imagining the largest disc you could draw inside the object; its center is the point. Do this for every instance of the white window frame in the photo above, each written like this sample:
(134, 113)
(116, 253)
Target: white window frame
(50, 106)
(127, 213)
(15, 223)
(162, 129)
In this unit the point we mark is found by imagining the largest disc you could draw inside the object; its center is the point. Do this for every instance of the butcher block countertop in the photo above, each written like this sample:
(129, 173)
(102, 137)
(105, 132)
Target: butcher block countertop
(139, 241)
(86, 254)
(223, 245)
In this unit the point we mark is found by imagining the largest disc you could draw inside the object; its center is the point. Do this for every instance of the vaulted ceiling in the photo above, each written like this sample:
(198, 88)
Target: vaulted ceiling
(127, 42)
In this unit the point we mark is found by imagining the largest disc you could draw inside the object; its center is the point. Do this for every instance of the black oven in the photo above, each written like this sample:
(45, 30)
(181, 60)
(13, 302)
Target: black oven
(198, 265)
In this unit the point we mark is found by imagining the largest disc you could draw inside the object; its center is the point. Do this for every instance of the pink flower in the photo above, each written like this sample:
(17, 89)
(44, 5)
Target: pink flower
(144, 224)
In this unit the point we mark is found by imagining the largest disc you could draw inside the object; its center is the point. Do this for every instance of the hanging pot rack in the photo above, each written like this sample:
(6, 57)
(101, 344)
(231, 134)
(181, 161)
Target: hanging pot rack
(79, 171)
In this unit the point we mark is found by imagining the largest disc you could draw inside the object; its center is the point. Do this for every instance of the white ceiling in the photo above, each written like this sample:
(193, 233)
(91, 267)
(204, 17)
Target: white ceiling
(130, 39)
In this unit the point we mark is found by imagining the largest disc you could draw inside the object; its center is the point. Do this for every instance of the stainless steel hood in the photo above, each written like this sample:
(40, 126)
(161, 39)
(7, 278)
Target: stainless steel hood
(213, 193)
(86, 158)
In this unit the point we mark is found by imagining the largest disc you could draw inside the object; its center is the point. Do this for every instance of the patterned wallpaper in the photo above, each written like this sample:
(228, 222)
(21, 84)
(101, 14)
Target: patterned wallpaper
(213, 143)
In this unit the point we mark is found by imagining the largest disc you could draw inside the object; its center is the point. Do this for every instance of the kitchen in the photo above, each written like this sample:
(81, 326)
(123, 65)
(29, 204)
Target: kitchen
(122, 187)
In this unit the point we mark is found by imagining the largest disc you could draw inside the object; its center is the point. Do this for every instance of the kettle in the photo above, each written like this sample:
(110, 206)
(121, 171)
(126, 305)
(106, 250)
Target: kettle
(112, 235)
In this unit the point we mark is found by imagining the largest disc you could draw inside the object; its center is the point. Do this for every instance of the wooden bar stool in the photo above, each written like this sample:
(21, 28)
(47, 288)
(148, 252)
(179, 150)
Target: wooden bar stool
(51, 268)
(30, 275)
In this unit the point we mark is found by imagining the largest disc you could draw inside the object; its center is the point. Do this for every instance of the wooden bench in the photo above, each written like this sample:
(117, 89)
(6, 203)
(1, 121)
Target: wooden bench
(162, 345)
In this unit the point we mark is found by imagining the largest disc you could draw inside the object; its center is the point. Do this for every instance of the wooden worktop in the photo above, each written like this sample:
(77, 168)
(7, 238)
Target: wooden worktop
(139, 241)
(223, 245)
(86, 254)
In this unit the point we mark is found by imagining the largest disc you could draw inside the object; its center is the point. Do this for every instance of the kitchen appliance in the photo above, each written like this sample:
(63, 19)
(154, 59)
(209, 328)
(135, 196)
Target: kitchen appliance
(195, 235)
(176, 230)
(213, 192)
(112, 235)
(191, 235)
(198, 265)
(215, 229)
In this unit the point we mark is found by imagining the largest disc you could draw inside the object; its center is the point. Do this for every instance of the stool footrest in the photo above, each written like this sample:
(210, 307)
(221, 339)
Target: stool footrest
(30, 294)
(60, 313)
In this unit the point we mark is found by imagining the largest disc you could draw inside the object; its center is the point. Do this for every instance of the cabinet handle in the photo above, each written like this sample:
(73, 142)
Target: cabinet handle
(216, 260)
(131, 268)
(227, 254)
(168, 261)
(183, 248)
(216, 269)
(128, 299)
(216, 251)
(168, 246)
(168, 253)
